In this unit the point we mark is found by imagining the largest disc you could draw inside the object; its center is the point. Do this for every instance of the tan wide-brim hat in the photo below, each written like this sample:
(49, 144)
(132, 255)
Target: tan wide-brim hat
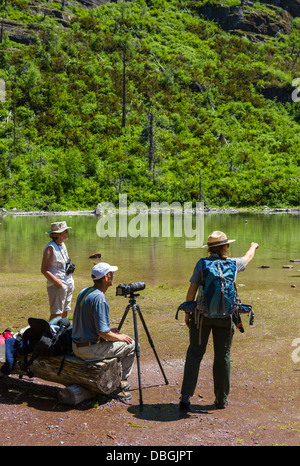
(58, 227)
(217, 238)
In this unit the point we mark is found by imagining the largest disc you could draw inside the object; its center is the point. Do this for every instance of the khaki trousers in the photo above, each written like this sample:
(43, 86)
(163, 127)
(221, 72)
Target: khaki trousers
(107, 350)
(60, 298)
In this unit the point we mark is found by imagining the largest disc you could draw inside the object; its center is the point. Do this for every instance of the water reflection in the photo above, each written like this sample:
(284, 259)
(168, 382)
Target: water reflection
(157, 260)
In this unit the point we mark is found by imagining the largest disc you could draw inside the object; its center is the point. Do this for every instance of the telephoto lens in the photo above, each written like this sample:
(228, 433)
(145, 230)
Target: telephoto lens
(123, 290)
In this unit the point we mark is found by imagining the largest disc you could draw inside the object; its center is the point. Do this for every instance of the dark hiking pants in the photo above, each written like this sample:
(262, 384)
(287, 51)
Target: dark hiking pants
(222, 332)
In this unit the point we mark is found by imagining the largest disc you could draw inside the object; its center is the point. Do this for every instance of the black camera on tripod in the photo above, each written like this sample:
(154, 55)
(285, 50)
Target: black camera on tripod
(124, 290)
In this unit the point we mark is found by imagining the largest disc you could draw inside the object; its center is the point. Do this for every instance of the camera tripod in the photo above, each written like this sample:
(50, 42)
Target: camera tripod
(136, 309)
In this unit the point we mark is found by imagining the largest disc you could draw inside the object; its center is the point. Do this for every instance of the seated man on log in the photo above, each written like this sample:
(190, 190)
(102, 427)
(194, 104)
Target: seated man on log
(93, 338)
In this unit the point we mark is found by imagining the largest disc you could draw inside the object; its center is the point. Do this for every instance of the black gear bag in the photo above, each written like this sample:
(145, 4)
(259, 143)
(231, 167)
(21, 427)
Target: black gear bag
(40, 340)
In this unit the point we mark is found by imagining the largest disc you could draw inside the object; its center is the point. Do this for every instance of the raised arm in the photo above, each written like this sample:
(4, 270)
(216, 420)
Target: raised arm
(250, 253)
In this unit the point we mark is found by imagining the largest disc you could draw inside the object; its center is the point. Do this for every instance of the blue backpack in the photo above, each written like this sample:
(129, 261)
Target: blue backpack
(216, 298)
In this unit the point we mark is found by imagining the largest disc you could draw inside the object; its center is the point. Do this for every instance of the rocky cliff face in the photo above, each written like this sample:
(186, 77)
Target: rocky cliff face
(93, 3)
(26, 34)
(250, 20)
(292, 6)
(256, 23)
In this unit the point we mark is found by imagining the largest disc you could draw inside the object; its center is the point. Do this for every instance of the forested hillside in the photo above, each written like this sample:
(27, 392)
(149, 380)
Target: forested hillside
(173, 100)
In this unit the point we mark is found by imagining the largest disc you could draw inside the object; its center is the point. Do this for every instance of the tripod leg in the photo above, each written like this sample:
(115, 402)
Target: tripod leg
(124, 317)
(137, 347)
(137, 351)
(151, 342)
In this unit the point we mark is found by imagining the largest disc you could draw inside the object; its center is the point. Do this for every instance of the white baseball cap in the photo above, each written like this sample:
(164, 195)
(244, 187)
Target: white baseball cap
(101, 269)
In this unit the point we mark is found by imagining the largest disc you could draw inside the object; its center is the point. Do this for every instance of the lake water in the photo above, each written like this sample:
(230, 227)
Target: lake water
(161, 259)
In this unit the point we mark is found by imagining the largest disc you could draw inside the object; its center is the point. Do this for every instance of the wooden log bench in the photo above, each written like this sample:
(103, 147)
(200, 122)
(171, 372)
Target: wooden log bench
(83, 379)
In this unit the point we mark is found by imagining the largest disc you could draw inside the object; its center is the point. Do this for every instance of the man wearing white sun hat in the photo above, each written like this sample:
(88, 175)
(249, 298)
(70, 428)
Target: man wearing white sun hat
(93, 338)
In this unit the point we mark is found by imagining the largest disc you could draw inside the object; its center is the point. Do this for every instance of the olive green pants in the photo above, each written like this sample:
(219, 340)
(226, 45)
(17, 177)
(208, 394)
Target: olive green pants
(222, 332)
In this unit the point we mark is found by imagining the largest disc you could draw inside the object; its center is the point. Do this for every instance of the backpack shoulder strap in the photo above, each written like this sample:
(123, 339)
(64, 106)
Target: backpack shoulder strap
(202, 281)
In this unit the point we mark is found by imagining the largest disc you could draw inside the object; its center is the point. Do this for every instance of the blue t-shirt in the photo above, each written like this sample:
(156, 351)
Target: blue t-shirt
(91, 315)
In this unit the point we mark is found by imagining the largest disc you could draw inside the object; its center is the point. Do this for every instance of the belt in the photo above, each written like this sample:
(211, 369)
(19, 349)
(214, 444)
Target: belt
(86, 343)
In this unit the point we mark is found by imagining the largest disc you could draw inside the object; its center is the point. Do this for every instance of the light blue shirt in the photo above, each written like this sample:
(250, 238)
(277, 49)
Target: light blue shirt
(91, 315)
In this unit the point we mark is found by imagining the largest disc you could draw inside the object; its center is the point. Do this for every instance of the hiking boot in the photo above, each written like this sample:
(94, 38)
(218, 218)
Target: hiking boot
(121, 395)
(124, 396)
(220, 405)
(184, 404)
(124, 385)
